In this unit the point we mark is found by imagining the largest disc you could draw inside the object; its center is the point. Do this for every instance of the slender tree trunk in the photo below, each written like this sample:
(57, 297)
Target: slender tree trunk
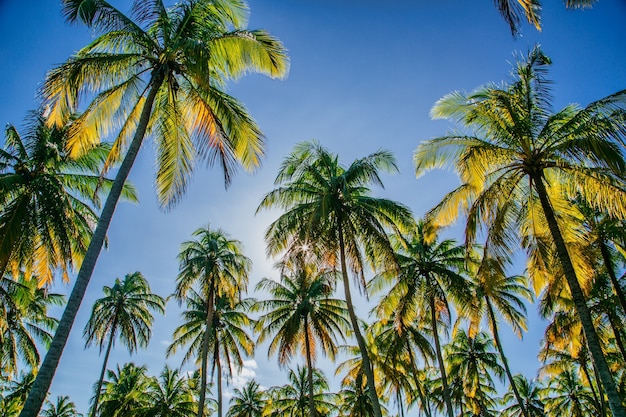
(608, 264)
(578, 297)
(309, 365)
(420, 388)
(205, 353)
(94, 409)
(615, 326)
(505, 362)
(444, 379)
(218, 364)
(367, 365)
(596, 395)
(48, 368)
(602, 402)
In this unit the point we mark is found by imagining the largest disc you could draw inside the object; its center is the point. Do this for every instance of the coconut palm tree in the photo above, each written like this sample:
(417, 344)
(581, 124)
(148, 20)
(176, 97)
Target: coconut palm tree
(520, 166)
(472, 360)
(566, 395)
(215, 264)
(63, 407)
(24, 322)
(512, 11)
(431, 275)
(161, 73)
(170, 395)
(301, 313)
(249, 401)
(124, 313)
(330, 207)
(293, 398)
(47, 200)
(14, 392)
(496, 292)
(354, 399)
(530, 392)
(125, 392)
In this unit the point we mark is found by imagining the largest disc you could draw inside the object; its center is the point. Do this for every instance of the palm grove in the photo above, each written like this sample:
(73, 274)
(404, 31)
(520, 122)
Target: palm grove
(547, 181)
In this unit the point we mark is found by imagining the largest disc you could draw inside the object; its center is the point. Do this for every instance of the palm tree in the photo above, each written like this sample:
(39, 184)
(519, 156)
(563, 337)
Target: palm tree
(494, 291)
(63, 407)
(300, 313)
(46, 214)
(125, 393)
(170, 395)
(330, 207)
(125, 312)
(565, 395)
(14, 392)
(292, 399)
(249, 401)
(530, 392)
(471, 359)
(166, 70)
(431, 274)
(511, 11)
(522, 164)
(24, 322)
(215, 263)
(354, 399)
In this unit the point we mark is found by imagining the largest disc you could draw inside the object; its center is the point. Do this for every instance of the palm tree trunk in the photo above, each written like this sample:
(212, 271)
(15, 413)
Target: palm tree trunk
(616, 327)
(418, 386)
(505, 362)
(205, 353)
(367, 365)
(608, 264)
(48, 368)
(218, 365)
(309, 365)
(596, 395)
(578, 297)
(104, 367)
(444, 379)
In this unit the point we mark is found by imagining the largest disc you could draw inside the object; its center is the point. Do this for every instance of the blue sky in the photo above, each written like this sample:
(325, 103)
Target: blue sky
(364, 75)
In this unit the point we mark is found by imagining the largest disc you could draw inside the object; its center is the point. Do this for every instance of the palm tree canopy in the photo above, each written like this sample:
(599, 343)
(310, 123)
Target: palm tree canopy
(249, 401)
(187, 52)
(47, 200)
(126, 310)
(514, 142)
(324, 199)
(301, 306)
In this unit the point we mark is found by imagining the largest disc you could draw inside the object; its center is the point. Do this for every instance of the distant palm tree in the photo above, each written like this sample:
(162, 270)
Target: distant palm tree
(63, 407)
(48, 200)
(216, 265)
(565, 395)
(521, 165)
(292, 399)
(330, 207)
(494, 291)
(472, 360)
(24, 321)
(161, 73)
(249, 401)
(170, 395)
(14, 392)
(301, 313)
(431, 275)
(125, 312)
(125, 392)
(530, 392)
(511, 11)
(354, 399)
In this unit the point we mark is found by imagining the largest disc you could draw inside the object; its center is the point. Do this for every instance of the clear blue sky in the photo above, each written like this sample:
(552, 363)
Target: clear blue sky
(364, 75)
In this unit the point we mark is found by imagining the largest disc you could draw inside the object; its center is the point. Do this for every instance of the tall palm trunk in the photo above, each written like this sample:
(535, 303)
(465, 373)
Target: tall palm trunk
(367, 365)
(608, 265)
(205, 353)
(442, 368)
(48, 368)
(616, 327)
(104, 367)
(309, 365)
(578, 297)
(505, 362)
(218, 366)
(421, 391)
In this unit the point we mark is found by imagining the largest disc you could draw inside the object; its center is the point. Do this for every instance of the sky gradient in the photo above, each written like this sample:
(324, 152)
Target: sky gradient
(364, 76)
